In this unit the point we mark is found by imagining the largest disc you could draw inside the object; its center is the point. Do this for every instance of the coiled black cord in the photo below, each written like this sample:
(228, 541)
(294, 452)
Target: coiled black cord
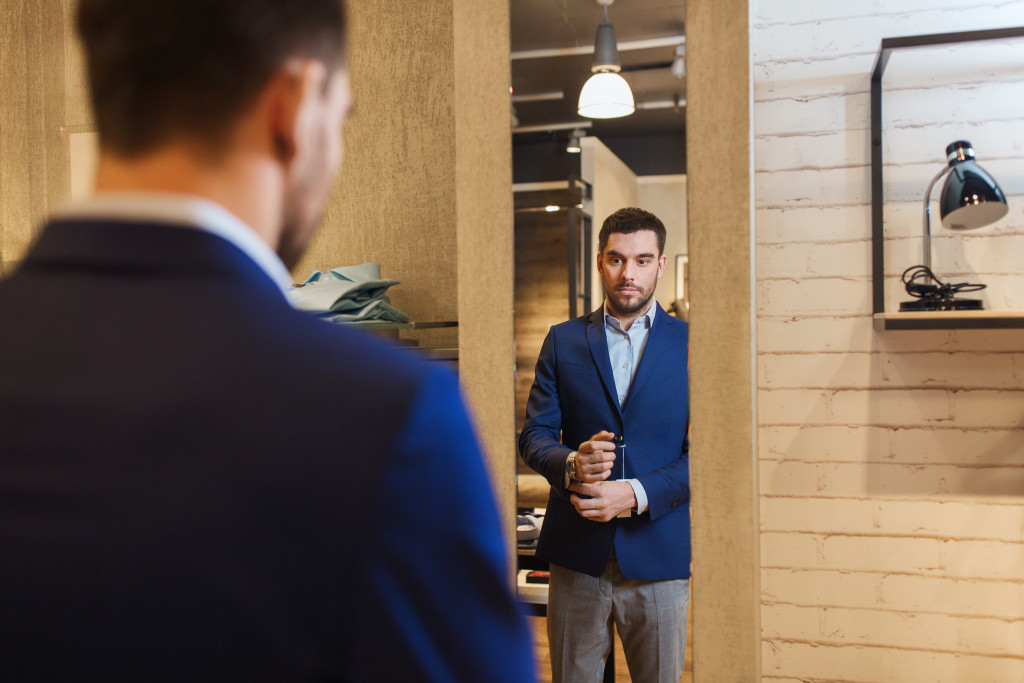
(922, 284)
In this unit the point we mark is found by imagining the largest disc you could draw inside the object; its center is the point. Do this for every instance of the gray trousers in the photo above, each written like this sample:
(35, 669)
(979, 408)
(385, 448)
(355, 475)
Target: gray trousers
(650, 617)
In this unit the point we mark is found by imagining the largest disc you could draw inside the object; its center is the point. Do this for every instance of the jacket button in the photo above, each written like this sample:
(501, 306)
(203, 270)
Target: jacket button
(675, 503)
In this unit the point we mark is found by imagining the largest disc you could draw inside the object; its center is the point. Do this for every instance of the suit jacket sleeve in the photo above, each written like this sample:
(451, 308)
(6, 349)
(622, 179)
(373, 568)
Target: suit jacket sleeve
(435, 569)
(540, 443)
(669, 486)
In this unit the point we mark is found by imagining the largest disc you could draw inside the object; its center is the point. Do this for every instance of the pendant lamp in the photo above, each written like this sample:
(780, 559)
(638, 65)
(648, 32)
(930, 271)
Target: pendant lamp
(606, 95)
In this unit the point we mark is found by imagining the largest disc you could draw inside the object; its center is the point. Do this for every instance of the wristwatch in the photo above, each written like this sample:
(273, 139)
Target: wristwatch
(570, 465)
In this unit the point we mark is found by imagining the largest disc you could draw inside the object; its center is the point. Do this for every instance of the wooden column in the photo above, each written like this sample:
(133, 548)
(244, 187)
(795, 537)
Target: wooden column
(726, 593)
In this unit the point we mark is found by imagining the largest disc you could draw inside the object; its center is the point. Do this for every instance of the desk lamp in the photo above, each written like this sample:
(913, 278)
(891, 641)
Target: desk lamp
(970, 199)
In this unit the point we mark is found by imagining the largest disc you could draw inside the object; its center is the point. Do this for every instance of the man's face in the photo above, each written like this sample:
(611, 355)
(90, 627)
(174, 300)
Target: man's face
(630, 267)
(314, 169)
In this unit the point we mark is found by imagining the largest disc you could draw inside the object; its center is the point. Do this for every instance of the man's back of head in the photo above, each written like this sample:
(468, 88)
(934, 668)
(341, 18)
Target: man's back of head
(165, 68)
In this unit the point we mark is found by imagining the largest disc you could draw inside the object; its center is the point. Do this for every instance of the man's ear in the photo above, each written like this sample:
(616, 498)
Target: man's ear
(600, 263)
(662, 260)
(292, 94)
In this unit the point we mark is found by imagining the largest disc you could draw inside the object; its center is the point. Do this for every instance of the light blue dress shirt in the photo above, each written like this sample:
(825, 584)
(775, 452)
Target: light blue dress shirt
(625, 349)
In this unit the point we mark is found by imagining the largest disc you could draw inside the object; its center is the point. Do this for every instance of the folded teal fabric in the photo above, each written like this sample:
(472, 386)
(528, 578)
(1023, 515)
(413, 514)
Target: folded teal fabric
(348, 294)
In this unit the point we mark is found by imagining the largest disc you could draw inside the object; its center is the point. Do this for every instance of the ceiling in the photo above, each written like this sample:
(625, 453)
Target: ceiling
(551, 24)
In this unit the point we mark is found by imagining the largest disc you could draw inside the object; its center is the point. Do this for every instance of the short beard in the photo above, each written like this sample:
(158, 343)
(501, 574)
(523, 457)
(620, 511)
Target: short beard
(630, 309)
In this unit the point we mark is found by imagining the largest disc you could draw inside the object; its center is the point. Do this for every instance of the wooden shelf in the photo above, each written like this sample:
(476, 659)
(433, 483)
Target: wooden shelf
(950, 320)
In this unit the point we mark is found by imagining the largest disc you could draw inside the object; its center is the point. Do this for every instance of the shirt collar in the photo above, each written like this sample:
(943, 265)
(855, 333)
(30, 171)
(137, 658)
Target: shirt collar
(187, 211)
(648, 316)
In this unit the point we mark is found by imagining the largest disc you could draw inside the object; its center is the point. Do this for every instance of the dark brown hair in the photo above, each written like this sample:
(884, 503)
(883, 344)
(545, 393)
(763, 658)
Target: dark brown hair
(161, 68)
(631, 219)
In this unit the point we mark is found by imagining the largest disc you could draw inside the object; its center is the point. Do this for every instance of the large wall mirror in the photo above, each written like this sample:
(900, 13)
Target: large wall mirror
(570, 172)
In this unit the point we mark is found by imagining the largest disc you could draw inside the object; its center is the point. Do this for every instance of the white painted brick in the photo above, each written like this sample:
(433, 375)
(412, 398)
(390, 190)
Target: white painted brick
(836, 443)
(890, 408)
(830, 75)
(955, 520)
(817, 114)
(790, 622)
(838, 626)
(968, 447)
(833, 149)
(997, 137)
(991, 635)
(837, 186)
(859, 34)
(821, 479)
(999, 409)
(823, 588)
(875, 478)
(874, 553)
(916, 152)
(952, 370)
(791, 333)
(879, 459)
(814, 224)
(997, 599)
(885, 665)
(820, 370)
(802, 259)
(984, 559)
(798, 12)
(783, 260)
(793, 406)
(850, 259)
(823, 296)
(921, 97)
(790, 550)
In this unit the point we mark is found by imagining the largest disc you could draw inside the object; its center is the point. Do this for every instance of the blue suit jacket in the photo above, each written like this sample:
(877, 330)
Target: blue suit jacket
(198, 482)
(573, 397)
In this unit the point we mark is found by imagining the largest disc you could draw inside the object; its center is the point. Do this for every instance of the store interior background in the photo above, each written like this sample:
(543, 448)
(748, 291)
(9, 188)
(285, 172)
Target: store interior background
(858, 495)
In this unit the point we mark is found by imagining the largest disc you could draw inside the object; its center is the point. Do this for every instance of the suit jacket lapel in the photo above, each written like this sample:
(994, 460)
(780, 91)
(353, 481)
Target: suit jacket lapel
(657, 344)
(599, 352)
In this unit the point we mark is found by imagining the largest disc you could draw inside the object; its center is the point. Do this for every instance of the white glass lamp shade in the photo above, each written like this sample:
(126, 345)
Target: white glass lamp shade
(606, 95)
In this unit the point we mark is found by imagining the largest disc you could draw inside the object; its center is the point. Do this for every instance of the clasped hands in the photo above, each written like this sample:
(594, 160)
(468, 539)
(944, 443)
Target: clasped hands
(594, 462)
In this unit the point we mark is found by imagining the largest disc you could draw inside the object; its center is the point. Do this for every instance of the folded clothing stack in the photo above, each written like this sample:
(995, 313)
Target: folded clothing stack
(348, 294)
(528, 529)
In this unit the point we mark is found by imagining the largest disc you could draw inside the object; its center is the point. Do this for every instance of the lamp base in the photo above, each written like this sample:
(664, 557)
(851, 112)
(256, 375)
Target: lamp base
(942, 304)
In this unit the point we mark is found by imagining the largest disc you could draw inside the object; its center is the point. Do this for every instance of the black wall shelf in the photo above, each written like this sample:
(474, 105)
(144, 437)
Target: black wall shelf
(918, 321)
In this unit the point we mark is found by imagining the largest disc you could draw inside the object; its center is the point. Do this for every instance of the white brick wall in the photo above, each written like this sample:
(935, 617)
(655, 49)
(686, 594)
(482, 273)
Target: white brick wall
(891, 463)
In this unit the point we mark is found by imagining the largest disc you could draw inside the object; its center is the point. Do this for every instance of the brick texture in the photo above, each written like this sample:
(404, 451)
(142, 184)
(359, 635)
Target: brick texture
(891, 463)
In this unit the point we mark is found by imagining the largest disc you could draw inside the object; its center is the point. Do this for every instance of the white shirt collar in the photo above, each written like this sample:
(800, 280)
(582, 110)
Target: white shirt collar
(184, 210)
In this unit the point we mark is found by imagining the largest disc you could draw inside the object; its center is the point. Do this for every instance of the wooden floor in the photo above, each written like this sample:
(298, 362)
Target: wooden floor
(540, 642)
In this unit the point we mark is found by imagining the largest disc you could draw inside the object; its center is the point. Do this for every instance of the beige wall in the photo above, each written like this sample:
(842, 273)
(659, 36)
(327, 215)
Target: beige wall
(665, 197)
(614, 186)
(41, 100)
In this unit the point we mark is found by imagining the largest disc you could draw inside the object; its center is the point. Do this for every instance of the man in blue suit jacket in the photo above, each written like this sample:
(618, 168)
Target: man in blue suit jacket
(197, 481)
(606, 424)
